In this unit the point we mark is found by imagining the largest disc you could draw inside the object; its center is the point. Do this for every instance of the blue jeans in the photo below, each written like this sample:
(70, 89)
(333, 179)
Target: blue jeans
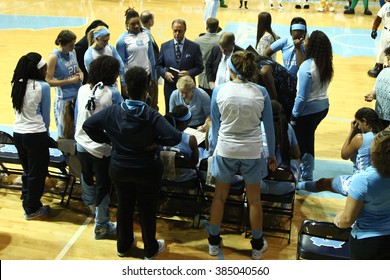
(96, 193)
(33, 151)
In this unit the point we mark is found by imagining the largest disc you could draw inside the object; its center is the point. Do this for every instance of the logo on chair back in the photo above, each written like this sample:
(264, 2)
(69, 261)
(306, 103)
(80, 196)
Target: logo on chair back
(327, 242)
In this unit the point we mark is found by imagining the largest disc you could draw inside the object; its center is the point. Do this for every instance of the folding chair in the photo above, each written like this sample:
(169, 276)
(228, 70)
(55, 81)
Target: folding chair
(280, 206)
(236, 200)
(10, 163)
(180, 191)
(320, 240)
(68, 148)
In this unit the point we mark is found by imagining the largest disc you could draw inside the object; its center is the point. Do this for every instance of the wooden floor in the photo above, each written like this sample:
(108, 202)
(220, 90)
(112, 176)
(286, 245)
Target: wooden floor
(67, 234)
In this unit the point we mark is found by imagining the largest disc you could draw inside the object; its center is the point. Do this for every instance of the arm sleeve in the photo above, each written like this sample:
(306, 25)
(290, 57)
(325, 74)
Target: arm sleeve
(87, 59)
(160, 64)
(278, 45)
(121, 48)
(46, 104)
(152, 58)
(198, 62)
(268, 123)
(116, 96)
(172, 99)
(215, 120)
(121, 65)
(303, 88)
(167, 135)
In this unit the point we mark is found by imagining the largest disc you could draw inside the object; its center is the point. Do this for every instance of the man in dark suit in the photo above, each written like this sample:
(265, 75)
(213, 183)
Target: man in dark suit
(178, 57)
(217, 70)
(147, 21)
(82, 46)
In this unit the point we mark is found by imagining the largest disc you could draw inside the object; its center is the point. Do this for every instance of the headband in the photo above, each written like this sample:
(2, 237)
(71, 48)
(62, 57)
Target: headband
(298, 26)
(41, 63)
(231, 66)
(184, 118)
(103, 32)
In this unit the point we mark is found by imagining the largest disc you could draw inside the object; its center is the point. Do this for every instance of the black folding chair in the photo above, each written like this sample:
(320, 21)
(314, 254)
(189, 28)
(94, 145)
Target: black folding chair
(320, 240)
(10, 163)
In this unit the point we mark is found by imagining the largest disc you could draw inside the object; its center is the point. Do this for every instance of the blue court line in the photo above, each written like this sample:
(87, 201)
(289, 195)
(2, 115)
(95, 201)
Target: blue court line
(9, 22)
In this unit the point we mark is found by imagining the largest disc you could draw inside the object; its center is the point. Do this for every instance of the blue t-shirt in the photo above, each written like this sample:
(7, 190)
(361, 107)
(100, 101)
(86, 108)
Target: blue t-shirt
(374, 217)
(286, 45)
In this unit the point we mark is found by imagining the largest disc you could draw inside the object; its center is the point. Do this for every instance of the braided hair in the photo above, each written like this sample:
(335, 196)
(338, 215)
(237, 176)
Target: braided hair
(319, 48)
(27, 68)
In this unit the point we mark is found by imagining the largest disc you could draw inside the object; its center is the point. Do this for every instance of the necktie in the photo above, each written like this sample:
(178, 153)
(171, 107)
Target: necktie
(177, 51)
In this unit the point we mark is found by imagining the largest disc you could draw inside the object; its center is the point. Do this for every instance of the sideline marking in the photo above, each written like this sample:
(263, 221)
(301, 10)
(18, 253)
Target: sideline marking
(73, 239)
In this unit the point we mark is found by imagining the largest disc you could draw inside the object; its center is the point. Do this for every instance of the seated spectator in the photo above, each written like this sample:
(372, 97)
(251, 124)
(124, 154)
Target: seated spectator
(196, 99)
(367, 208)
(356, 147)
(287, 152)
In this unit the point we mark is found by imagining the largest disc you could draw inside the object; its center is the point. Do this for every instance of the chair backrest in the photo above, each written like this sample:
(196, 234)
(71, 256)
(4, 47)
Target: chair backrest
(324, 229)
(173, 162)
(6, 138)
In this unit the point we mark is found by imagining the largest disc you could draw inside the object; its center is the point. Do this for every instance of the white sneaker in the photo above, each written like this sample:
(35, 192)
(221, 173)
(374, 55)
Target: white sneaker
(257, 254)
(331, 9)
(161, 248)
(280, 7)
(213, 249)
(320, 9)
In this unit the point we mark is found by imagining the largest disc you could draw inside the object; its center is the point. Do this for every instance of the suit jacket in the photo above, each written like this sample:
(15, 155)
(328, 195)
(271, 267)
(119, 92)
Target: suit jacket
(214, 60)
(206, 43)
(191, 61)
(80, 48)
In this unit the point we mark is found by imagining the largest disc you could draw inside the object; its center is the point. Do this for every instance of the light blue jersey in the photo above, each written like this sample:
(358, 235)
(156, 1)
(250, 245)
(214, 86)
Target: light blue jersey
(66, 67)
(91, 54)
(286, 45)
(374, 191)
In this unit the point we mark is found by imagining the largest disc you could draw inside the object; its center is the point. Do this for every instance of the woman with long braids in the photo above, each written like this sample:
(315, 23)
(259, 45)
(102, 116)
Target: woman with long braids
(312, 104)
(94, 157)
(31, 102)
(237, 109)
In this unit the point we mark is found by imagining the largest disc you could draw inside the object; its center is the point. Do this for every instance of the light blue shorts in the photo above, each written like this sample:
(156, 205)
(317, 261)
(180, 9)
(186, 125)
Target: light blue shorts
(341, 184)
(252, 170)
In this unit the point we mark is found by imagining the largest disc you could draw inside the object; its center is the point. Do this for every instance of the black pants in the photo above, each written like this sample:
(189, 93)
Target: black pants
(141, 186)
(33, 150)
(305, 129)
(373, 248)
